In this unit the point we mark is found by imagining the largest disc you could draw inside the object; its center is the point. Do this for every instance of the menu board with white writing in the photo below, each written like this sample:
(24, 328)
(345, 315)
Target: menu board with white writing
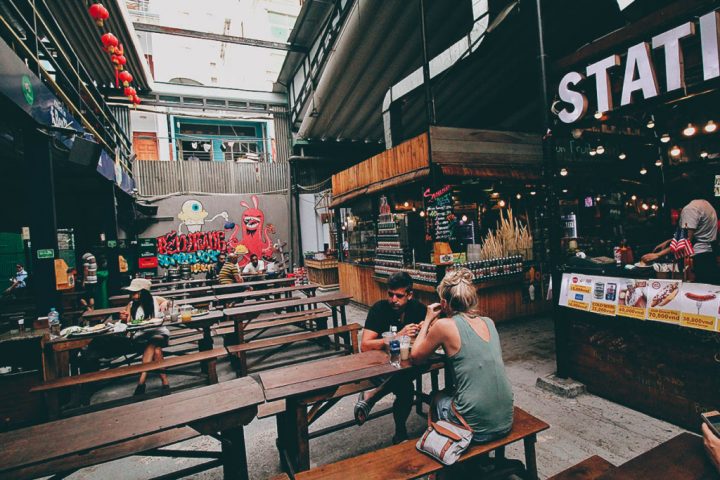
(604, 295)
(699, 306)
(632, 299)
(664, 303)
(440, 211)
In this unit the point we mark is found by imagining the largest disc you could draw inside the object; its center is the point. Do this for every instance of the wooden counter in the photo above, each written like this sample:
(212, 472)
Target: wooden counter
(666, 371)
(500, 298)
(323, 272)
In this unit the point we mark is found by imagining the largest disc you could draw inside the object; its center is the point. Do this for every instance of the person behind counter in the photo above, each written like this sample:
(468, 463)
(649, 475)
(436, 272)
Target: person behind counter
(482, 394)
(699, 218)
(143, 305)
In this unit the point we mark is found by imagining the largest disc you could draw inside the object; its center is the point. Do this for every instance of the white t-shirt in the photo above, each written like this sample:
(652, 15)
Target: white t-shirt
(252, 269)
(700, 216)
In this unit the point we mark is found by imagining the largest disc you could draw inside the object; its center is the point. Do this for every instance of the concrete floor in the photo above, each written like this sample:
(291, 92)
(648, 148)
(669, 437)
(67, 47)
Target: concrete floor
(580, 427)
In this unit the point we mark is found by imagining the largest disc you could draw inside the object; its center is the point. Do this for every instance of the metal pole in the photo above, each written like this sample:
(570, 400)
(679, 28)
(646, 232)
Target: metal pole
(429, 99)
(550, 176)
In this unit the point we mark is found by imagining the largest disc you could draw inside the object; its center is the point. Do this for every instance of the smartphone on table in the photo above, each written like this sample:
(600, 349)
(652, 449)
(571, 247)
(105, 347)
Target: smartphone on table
(712, 419)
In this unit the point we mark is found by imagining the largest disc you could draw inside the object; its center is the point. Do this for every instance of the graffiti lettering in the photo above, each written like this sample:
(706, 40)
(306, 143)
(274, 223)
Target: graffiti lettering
(194, 258)
(172, 242)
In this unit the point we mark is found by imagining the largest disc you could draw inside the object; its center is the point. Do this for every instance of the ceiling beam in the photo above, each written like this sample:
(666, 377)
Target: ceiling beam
(181, 32)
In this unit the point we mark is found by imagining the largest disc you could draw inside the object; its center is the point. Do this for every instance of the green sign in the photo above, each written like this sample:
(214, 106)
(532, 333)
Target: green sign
(27, 90)
(45, 253)
(112, 243)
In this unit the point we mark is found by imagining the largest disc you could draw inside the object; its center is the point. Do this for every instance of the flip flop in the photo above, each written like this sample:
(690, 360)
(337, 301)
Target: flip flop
(362, 410)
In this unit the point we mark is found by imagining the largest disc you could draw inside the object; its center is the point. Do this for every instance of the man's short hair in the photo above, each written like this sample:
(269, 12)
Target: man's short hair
(254, 255)
(400, 280)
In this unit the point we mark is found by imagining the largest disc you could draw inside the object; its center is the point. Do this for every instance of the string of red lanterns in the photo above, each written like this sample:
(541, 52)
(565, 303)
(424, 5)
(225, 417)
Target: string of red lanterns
(112, 46)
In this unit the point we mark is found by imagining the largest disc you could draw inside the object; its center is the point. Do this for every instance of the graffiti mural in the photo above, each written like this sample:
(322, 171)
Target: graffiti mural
(200, 249)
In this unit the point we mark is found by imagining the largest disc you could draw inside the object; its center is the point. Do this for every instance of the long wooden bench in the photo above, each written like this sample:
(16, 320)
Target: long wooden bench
(588, 469)
(289, 318)
(284, 341)
(208, 356)
(403, 461)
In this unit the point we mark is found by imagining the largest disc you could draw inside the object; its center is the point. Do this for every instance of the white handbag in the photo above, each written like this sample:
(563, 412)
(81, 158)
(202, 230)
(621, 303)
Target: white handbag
(443, 440)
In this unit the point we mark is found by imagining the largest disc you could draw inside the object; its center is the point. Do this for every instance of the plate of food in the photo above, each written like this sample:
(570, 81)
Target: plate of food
(151, 322)
(199, 312)
(94, 330)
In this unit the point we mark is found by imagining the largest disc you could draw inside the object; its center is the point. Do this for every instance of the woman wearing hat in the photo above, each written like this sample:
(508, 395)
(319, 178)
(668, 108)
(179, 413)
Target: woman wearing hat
(143, 305)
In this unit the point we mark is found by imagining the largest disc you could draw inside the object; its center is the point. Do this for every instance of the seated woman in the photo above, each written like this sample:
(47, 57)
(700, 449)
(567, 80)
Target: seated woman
(483, 395)
(143, 305)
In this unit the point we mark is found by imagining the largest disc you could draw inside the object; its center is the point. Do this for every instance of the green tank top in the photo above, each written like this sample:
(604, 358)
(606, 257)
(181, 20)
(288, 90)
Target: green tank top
(483, 394)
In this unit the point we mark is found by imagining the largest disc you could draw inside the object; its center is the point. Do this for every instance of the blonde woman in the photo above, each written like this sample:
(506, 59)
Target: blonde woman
(483, 395)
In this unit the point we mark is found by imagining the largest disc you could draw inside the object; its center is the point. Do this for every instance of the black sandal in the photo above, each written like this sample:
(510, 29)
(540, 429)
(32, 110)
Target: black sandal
(362, 410)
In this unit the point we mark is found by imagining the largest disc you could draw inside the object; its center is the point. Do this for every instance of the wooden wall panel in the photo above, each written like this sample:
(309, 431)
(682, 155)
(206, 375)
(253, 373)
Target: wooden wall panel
(357, 281)
(666, 371)
(468, 147)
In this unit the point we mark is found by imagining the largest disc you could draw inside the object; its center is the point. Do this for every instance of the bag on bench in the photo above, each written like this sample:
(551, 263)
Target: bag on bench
(444, 440)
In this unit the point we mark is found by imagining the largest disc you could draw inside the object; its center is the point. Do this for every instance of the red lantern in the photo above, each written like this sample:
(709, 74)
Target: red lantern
(135, 101)
(119, 61)
(130, 93)
(125, 78)
(110, 42)
(119, 50)
(99, 13)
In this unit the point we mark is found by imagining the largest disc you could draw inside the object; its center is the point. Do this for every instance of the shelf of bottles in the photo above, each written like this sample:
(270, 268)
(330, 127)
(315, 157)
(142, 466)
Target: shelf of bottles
(391, 254)
(484, 270)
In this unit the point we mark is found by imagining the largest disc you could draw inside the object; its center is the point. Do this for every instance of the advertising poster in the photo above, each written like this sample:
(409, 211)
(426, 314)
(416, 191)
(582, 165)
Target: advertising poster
(632, 299)
(563, 295)
(699, 305)
(579, 292)
(664, 301)
(604, 295)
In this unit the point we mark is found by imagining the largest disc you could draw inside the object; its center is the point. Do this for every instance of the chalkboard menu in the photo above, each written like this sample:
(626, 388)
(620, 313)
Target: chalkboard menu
(440, 212)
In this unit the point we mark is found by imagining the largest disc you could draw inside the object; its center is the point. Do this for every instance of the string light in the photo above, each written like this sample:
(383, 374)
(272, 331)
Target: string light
(597, 199)
(658, 162)
(703, 154)
(533, 192)
(563, 172)
(689, 130)
(464, 218)
(598, 115)
(422, 213)
(633, 198)
(654, 207)
(643, 171)
(518, 196)
(565, 190)
(622, 156)
(406, 204)
(665, 138)
(592, 152)
(650, 123)
(675, 151)
(501, 203)
(645, 206)
(710, 127)
(600, 150)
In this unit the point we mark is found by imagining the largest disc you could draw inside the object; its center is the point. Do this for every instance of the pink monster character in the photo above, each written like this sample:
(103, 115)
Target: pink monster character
(255, 235)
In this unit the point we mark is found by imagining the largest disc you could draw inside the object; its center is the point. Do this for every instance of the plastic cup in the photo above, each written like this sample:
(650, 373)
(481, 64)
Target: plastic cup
(404, 347)
(387, 336)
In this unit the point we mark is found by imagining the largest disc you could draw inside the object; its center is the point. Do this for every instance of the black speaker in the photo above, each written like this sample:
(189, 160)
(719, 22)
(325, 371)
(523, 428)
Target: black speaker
(85, 153)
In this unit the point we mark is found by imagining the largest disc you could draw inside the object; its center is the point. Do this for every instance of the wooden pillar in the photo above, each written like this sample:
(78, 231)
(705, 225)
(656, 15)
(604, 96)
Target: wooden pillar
(234, 457)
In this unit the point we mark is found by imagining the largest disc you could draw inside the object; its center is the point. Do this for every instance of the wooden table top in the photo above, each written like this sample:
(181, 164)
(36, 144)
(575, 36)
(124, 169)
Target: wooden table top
(103, 428)
(202, 321)
(680, 458)
(267, 291)
(194, 300)
(256, 309)
(309, 377)
(102, 312)
(182, 282)
(258, 283)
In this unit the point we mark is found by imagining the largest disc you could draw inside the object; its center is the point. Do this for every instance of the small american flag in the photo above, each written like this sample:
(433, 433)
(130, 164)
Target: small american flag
(680, 245)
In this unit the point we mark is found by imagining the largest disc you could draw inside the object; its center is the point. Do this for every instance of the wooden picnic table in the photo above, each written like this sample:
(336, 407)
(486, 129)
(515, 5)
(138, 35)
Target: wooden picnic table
(102, 313)
(681, 458)
(313, 382)
(204, 323)
(170, 294)
(195, 281)
(277, 293)
(68, 444)
(219, 289)
(195, 301)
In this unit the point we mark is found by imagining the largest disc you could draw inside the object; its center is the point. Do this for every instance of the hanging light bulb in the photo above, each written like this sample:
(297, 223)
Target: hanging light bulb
(600, 150)
(665, 138)
(622, 156)
(633, 198)
(689, 130)
(464, 218)
(654, 207)
(598, 115)
(406, 204)
(414, 209)
(533, 192)
(643, 171)
(597, 199)
(645, 206)
(565, 190)
(592, 152)
(675, 151)
(501, 203)
(518, 196)
(710, 127)
(651, 123)
(563, 172)
(422, 213)
(703, 154)
(658, 162)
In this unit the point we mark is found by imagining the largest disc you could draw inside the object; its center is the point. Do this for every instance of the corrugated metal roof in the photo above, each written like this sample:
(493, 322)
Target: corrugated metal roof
(80, 29)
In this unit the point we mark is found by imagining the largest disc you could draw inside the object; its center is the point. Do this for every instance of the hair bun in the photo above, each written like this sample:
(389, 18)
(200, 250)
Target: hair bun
(461, 275)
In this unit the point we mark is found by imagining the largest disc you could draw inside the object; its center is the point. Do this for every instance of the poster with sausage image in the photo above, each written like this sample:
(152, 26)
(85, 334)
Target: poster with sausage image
(699, 305)
(664, 301)
(605, 295)
(632, 299)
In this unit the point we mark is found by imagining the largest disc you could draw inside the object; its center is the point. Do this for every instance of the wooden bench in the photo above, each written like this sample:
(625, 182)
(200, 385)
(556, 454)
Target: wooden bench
(403, 461)
(289, 318)
(588, 469)
(284, 341)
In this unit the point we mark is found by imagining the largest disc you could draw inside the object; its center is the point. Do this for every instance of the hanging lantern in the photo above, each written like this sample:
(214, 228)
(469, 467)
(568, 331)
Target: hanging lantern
(119, 61)
(125, 78)
(110, 42)
(119, 50)
(130, 93)
(135, 101)
(99, 13)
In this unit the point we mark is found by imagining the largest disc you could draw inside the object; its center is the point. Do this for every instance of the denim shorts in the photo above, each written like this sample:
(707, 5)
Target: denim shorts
(444, 411)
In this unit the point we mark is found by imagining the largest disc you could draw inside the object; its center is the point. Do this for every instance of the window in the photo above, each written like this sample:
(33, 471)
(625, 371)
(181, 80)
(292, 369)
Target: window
(196, 150)
(280, 25)
(237, 151)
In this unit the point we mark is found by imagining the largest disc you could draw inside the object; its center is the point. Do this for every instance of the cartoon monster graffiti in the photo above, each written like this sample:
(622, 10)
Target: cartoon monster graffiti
(255, 234)
(192, 215)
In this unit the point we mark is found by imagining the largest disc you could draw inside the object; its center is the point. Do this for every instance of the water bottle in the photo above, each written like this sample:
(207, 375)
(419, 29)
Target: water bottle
(54, 321)
(395, 353)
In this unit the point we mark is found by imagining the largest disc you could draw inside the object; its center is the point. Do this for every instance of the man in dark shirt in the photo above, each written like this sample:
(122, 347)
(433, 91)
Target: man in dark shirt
(402, 311)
